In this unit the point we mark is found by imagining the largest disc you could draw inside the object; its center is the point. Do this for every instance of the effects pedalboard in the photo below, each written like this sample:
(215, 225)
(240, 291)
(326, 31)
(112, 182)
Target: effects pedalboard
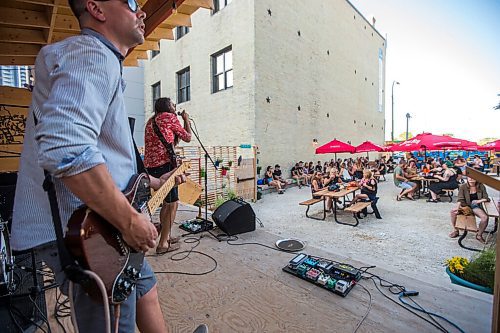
(333, 276)
(195, 226)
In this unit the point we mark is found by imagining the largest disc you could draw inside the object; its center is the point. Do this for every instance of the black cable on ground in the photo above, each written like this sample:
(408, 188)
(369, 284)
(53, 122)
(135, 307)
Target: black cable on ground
(188, 240)
(367, 310)
(61, 309)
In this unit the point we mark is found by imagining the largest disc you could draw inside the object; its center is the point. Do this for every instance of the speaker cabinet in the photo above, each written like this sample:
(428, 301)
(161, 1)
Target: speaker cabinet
(234, 217)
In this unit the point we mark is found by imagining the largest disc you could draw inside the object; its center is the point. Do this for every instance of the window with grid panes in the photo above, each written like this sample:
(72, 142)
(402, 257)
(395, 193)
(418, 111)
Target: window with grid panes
(183, 85)
(180, 31)
(220, 4)
(156, 88)
(222, 69)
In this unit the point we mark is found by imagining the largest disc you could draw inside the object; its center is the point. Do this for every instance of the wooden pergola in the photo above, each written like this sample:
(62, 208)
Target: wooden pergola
(27, 25)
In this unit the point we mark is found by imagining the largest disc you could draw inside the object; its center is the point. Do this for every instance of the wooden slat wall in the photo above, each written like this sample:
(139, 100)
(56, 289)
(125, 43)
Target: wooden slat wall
(218, 185)
(14, 103)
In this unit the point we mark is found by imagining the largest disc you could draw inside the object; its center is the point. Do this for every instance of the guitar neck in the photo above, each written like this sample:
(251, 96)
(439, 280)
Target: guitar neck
(157, 199)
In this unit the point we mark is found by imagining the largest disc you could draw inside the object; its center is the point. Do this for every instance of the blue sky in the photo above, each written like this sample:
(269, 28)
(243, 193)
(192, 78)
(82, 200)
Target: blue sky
(446, 56)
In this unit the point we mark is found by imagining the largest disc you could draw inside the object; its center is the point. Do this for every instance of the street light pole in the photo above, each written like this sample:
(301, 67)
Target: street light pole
(392, 96)
(407, 121)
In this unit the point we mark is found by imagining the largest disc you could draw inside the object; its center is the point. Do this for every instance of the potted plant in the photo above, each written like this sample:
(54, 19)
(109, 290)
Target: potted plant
(224, 170)
(478, 273)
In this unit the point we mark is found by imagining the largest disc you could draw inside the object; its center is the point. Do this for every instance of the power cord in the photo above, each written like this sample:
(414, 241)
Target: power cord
(186, 254)
(419, 308)
(367, 310)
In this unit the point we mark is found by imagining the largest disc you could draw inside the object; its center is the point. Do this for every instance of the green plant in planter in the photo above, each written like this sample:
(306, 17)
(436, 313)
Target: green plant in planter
(229, 195)
(481, 269)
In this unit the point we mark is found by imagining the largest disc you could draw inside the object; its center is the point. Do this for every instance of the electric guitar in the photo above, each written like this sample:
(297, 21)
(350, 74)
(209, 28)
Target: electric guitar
(99, 247)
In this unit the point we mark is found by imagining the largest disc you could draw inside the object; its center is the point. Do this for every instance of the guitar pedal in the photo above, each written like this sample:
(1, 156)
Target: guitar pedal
(342, 286)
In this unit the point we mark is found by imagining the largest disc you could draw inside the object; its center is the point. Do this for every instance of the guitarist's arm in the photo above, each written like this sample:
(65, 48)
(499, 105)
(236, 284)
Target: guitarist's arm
(96, 188)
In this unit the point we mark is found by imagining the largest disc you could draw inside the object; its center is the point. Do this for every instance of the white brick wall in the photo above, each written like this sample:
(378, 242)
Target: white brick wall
(271, 60)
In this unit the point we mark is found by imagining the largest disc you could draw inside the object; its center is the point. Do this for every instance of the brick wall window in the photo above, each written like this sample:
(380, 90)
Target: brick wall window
(220, 4)
(156, 89)
(180, 31)
(222, 70)
(183, 85)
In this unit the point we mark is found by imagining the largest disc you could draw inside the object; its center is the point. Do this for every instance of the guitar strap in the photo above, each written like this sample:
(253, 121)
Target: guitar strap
(168, 146)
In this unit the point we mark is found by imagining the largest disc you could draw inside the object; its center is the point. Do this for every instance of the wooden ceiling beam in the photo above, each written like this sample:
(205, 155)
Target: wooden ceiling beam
(161, 33)
(19, 50)
(24, 18)
(207, 4)
(157, 12)
(179, 19)
(148, 45)
(58, 36)
(67, 23)
(25, 36)
(21, 61)
(38, 2)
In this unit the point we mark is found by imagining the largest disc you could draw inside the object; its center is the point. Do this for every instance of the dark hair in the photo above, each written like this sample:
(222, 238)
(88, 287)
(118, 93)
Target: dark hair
(268, 168)
(162, 105)
(77, 7)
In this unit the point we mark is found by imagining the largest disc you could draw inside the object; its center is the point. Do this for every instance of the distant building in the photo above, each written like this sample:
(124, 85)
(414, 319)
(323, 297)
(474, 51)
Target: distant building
(276, 74)
(15, 76)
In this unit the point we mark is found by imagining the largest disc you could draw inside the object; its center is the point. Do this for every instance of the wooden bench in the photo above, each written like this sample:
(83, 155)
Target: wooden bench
(357, 208)
(448, 193)
(466, 224)
(311, 202)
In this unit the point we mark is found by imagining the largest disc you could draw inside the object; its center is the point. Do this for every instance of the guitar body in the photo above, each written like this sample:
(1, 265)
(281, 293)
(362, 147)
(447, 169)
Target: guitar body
(99, 247)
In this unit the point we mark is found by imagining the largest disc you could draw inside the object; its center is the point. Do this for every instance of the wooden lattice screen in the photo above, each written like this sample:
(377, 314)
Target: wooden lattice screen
(220, 185)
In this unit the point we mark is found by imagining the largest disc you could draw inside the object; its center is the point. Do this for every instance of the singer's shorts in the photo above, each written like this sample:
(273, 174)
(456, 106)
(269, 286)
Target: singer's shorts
(159, 171)
(89, 313)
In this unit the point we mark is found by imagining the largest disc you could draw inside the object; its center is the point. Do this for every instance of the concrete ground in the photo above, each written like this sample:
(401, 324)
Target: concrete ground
(411, 239)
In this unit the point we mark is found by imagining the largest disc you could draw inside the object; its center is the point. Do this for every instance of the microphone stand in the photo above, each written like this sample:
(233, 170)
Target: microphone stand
(207, 157)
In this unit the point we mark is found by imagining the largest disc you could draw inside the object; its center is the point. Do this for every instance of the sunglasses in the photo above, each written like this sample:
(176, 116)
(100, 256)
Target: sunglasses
(132, 5)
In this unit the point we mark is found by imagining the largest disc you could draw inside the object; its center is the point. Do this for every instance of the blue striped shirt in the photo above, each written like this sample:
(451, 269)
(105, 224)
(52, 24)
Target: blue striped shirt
(82, 122)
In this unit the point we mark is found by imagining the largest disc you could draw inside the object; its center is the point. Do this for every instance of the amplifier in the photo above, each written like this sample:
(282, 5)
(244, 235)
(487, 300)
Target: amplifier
(234, 217)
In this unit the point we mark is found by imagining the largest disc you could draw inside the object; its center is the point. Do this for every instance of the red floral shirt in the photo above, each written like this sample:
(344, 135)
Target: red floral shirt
(155, 154)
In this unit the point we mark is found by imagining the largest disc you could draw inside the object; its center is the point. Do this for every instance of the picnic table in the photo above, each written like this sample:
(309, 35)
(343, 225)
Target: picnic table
(336, 196)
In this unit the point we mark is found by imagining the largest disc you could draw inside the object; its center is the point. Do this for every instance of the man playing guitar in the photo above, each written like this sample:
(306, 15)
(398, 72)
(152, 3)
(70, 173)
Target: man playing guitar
(82, 138)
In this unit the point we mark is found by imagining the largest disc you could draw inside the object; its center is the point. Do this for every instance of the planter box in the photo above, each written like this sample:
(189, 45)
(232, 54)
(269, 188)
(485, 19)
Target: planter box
(457, 280)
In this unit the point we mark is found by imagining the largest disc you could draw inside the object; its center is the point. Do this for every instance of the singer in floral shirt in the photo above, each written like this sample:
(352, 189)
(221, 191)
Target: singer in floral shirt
(158, 162)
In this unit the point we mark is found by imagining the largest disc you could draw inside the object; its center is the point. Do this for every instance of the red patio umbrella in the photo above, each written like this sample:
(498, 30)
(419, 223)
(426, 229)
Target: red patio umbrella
(335, 146)
(428, 141)
(495, 145)
(368, 146)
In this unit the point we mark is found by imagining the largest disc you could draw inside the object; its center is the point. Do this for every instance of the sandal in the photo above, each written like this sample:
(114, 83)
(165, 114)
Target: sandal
(410, 198)
(432, 200)
(160, 250)
(398, 198)
(454, 234)
(480, 239)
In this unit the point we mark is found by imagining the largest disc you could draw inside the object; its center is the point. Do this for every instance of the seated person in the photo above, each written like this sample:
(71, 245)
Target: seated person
(477, 163)
(318, 167)
(411, 169)
(269, 180)
(448, 180)
(368, 185)
(305, 172)
(408, 188)
(277, 176)
(471, 194)
(317, 185)
(298, 175)
(332, 178)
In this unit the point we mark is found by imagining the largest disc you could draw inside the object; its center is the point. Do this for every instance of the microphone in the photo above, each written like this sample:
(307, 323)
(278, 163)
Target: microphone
(180, 114)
